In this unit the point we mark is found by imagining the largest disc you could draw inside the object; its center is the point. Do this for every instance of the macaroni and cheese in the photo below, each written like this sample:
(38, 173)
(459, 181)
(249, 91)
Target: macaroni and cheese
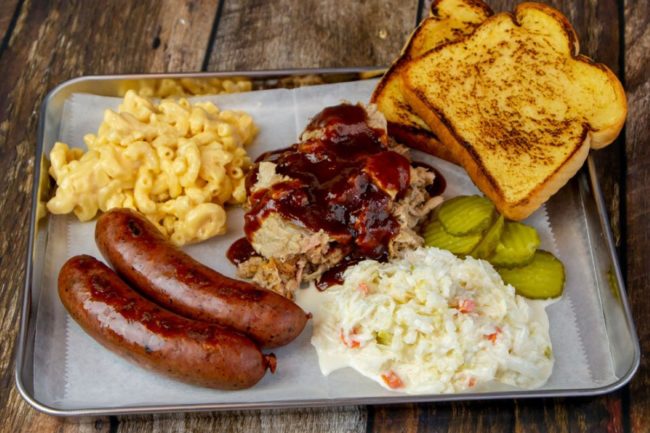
(177, 163)
(176, 87)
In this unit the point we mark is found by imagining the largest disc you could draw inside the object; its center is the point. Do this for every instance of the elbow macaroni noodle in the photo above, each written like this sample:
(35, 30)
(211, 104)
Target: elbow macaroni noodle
(175, 162)
(176, 87)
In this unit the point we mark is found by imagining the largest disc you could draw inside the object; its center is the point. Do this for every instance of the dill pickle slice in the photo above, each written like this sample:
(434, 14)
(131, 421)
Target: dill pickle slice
(466, 214)
(384, 338)
(490, 240)
(542, 278)
(517, 245)
(436, 236)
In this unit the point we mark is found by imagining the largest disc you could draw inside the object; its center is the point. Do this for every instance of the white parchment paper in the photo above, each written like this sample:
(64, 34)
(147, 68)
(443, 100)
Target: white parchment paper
(73, 371)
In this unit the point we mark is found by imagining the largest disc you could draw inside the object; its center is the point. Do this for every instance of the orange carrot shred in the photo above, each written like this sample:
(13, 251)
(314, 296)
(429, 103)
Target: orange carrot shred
(466, 305)
(363, 288)
(351, 343)
(392, 380)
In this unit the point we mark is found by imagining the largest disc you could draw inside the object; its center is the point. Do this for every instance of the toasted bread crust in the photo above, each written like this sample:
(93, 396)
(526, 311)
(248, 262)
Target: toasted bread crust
(569, 31)
(404, 125)
(473, 159)
(465, 156)
(435, 9)
(605, 136)
(420, 139)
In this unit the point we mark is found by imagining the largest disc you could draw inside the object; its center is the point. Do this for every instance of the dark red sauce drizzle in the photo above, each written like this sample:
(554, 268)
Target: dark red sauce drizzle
(240, 251)
(439, 183)
(334, 275)
(343, 182)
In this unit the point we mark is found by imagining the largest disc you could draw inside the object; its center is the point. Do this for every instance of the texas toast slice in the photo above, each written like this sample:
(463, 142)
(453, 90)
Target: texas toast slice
(517, 105)
(448, 21)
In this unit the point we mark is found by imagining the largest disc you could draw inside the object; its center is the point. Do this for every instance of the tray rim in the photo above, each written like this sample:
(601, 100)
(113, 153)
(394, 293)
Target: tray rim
(288, 404)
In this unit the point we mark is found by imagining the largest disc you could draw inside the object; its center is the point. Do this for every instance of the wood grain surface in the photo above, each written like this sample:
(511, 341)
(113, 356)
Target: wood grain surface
(259, 34)
(8, 19)
(45, 42)
(344, 419)
(637, 203)
(182, 35)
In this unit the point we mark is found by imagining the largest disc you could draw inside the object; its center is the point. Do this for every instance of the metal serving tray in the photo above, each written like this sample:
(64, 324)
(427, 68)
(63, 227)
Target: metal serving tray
(583, 192)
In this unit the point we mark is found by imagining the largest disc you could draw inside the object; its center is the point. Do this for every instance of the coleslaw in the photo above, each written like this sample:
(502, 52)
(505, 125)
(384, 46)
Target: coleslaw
(432, 323)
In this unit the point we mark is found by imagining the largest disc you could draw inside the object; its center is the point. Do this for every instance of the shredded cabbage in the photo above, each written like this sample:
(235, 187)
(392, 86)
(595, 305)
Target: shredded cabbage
(432, 323)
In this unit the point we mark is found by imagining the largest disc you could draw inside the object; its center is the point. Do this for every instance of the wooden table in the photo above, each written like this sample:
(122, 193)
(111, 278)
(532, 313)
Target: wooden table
(46, 42)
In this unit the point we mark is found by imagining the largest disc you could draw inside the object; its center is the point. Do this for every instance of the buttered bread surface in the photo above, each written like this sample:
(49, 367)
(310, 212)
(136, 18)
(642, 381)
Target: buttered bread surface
(448, 21)
(516, 105)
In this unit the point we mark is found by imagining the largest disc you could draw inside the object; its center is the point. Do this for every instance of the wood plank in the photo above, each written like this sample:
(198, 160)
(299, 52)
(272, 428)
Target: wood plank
(256, 34)
(344, 419)
(597, 25)
(404, 418)
(54, 41)
(8, 8)
(553, 416)
(637, 139)
(182, 35)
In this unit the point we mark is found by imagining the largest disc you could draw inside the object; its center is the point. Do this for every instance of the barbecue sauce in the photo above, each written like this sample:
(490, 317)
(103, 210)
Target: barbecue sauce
(241, 251)
(439, 183)
(344, 181)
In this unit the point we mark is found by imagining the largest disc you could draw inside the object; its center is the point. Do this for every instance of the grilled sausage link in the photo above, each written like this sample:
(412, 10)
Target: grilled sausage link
(164, 273)
(123, 321)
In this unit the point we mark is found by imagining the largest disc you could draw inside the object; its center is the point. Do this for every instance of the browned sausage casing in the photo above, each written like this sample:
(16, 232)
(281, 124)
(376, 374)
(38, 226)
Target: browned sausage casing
(145, 258)
(123, 321)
